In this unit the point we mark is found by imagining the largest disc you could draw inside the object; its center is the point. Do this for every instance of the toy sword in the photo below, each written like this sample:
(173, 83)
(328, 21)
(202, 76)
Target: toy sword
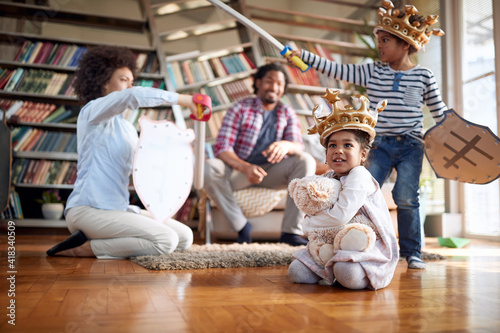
(284, 50)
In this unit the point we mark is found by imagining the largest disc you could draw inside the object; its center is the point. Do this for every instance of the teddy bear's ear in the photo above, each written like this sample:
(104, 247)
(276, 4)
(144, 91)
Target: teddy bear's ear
(316, 193)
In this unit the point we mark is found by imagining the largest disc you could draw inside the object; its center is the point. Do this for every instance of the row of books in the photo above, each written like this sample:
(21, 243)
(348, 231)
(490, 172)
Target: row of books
(147, 62)
(228, 93)
(26, 138)
(304, 102)
(14, 209)
(48, 53)
(310, 77)
(69, 55)
(192, 71)
(188, 211)
(43, 172)
(154, 114)
(160, 84)
(36, 81)
(18, 111)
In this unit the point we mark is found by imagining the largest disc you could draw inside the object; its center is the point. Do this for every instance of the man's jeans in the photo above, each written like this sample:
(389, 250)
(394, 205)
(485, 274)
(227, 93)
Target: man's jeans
(405, 154)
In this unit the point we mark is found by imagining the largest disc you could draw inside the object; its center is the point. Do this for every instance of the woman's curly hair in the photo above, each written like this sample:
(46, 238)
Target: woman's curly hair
(96, 68)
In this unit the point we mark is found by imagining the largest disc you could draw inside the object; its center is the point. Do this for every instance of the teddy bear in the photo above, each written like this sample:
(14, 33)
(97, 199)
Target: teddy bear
(315, 193)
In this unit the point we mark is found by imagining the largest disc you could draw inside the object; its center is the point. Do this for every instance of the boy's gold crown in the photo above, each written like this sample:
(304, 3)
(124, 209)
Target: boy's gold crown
(362, 119)
(415, 33)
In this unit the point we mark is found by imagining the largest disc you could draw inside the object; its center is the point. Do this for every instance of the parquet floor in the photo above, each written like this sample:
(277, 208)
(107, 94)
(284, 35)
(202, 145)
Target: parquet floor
(460, 294)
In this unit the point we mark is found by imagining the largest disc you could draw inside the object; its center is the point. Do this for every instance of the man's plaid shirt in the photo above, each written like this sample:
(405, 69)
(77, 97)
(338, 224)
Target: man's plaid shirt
(242, 124)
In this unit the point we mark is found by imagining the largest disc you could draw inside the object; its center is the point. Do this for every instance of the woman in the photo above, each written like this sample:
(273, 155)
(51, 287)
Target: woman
(98, 214)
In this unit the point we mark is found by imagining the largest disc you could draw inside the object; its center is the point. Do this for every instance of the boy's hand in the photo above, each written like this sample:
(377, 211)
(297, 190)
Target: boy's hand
(295, 53)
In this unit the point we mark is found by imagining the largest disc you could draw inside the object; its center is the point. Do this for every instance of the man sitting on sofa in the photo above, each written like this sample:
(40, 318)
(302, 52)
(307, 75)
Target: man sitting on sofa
(259, 144)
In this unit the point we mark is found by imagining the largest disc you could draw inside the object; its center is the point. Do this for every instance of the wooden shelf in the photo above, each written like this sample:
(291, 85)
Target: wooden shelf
(172, 7)
(48, 126)
(321, 22)
(15, 36)
(216, 81)
(45, 186)
(38, 97)
(46, 155)
(40, 223)
(198, 30)
(345, 48)
(14, 64)
(12, 9)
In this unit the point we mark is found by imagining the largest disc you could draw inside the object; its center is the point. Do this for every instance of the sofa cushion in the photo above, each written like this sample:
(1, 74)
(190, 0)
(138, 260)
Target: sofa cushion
(256, 201)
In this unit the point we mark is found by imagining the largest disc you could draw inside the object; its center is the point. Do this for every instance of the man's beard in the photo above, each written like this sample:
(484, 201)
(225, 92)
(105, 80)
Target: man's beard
(269, 100)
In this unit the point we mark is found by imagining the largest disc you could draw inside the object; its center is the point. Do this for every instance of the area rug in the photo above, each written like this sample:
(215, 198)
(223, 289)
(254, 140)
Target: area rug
(230, 256)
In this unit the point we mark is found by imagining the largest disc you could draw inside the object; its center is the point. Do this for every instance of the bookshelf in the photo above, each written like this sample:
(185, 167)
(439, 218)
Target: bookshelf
(40, 46)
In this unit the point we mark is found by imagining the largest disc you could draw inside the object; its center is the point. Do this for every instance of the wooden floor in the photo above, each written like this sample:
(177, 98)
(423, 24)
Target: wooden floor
(460, 294)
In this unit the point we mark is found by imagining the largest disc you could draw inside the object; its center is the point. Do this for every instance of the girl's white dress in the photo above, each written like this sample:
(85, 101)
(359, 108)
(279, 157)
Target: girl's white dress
(360, 194)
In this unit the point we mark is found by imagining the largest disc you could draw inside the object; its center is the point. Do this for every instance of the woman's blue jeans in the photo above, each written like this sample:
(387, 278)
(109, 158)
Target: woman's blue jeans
(405, 154)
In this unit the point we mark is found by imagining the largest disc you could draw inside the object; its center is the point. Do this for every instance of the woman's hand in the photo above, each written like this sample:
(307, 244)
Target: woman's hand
(187, 101)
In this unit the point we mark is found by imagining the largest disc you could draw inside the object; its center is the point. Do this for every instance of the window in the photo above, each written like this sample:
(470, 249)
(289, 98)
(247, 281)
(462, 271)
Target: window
(481, 202)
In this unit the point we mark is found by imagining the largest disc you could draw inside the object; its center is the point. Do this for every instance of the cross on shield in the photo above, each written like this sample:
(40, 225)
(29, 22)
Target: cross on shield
(163, 167)
(460, 150)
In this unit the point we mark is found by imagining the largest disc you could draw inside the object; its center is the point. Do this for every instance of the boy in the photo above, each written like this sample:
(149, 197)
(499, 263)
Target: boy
(407, 86)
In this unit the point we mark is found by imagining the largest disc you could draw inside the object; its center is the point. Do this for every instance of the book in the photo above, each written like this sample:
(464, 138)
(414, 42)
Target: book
(16, 145)
(6, 77)
(60, 110)
(29, 171)
(63, 142)
(40, 141)
(34, 54)
(44, 53)
(22, 50)
(66, 114)
(13, 80)
(37, 169)
(187, 72)
(33, 140)
(23, 171)
(57, 56)
(171, 75)
(61, 172)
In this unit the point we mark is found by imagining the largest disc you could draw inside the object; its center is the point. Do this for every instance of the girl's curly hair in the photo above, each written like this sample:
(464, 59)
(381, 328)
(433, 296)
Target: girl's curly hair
(96, 68)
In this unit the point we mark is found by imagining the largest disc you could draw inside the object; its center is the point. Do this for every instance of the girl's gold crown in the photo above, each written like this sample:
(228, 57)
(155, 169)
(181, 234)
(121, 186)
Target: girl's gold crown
(414, 33)
(362, 119)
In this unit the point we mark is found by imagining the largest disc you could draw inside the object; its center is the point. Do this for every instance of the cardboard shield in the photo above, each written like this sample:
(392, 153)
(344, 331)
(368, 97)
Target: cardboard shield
(163, 167)
(463, 151)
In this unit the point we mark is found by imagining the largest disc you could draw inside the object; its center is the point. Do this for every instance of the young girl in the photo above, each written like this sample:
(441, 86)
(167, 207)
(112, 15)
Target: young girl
(347, 144)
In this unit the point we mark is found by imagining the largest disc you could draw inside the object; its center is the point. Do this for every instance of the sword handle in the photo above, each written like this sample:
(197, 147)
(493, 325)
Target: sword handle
(296, 60)
(204, 105)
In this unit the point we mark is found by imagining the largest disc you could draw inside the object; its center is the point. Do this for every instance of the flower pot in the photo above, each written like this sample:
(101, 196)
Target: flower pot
(52, 211)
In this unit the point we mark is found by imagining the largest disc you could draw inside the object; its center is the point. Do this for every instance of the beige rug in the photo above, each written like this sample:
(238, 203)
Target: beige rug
(228, 256)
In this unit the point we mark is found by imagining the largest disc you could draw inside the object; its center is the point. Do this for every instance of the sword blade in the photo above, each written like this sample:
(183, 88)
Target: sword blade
(248, 23)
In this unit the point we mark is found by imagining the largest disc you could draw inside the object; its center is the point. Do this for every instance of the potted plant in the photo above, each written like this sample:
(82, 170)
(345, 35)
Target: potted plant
(52, 205)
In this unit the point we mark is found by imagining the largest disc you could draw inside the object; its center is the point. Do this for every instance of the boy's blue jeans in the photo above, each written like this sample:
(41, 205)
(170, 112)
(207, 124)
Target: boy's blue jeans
(405, 154)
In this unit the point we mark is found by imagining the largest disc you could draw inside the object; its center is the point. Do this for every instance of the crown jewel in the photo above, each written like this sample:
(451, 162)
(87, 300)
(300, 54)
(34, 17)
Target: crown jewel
(414, 33)
(347, 118)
